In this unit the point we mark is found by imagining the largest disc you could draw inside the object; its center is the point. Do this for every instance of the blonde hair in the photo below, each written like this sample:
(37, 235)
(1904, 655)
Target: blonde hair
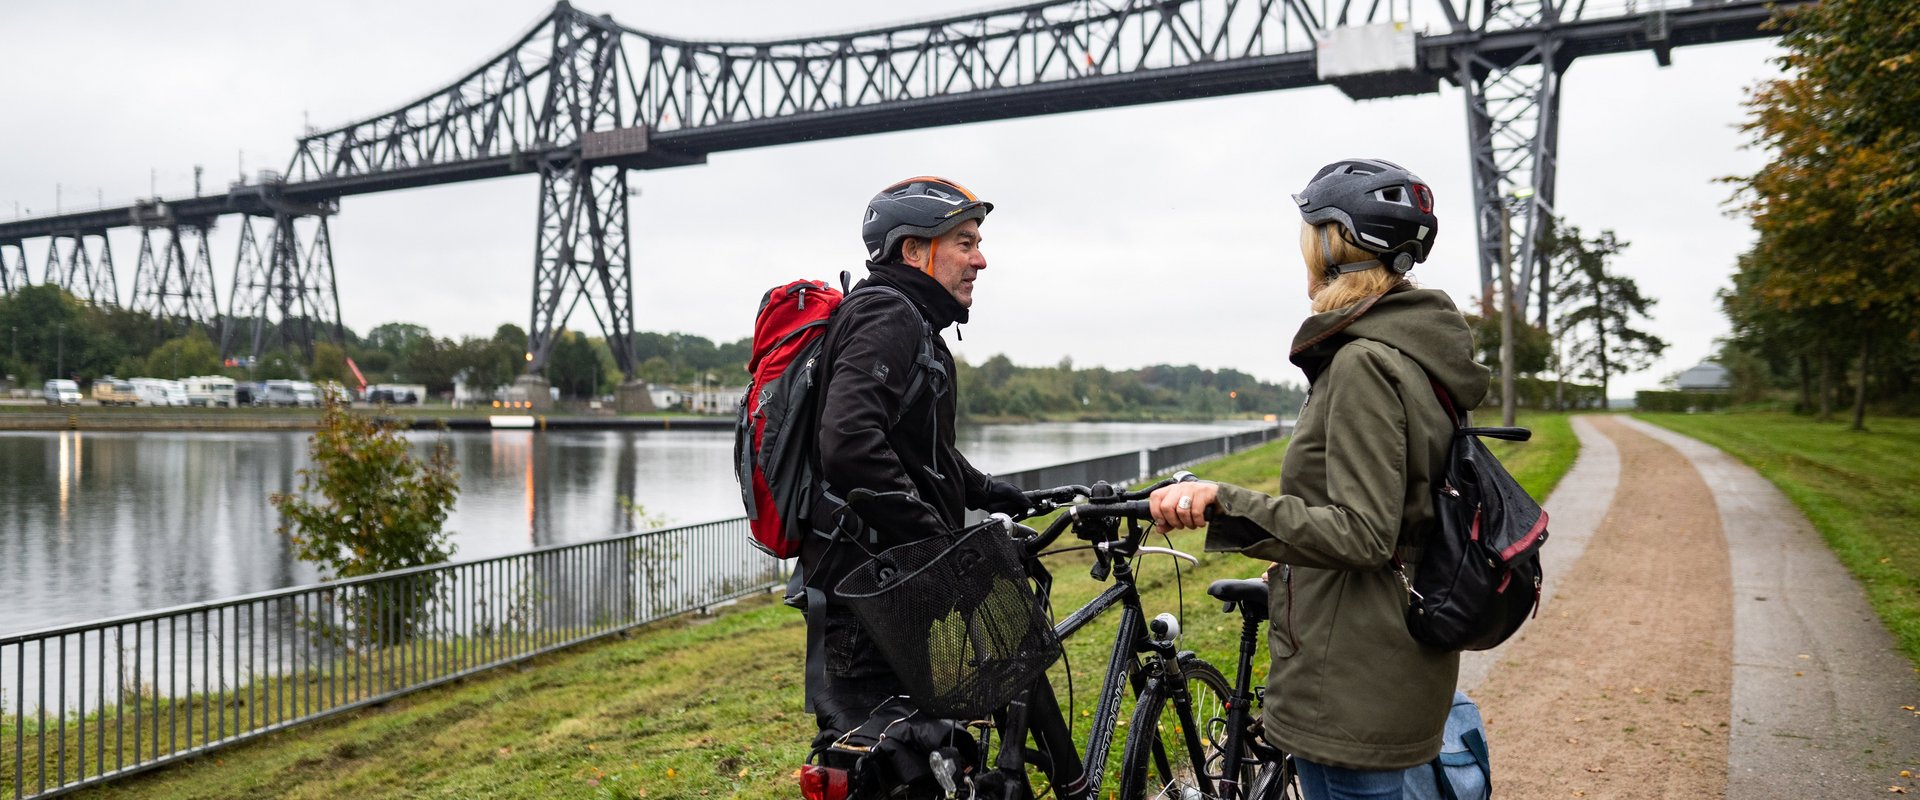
(1347, 288)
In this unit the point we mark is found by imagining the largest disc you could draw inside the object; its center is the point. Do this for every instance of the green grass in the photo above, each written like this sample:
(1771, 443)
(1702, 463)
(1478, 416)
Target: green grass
(1539, 463)
(696, 707)
(1861, 491)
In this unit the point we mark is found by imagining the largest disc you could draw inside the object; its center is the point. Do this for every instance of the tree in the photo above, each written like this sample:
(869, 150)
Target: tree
(329, 364)
(1532, 345)
(368, 506)
(1836, 207)
(432, 363)
(488, 364)
(398, 338)
(1599, 309)
(182, 357)
(573, 367)
(58, 335)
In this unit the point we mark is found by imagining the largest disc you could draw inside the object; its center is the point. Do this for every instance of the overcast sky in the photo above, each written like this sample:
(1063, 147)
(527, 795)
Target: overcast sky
(1124, 237)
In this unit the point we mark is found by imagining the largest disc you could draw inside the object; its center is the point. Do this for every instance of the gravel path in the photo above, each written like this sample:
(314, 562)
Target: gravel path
(1697, 640)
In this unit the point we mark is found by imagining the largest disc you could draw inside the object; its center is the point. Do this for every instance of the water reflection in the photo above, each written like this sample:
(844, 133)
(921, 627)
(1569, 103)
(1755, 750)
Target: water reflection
(104, 523)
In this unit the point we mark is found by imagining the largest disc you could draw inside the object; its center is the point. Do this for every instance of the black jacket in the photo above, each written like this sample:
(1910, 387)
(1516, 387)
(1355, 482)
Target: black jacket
(925, 484)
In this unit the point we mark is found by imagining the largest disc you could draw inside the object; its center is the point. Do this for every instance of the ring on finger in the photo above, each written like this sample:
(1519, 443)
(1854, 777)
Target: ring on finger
(1185, 503)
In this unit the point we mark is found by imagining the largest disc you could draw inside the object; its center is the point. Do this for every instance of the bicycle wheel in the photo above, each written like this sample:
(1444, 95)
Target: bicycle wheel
(1157, 761)
(1275, 781)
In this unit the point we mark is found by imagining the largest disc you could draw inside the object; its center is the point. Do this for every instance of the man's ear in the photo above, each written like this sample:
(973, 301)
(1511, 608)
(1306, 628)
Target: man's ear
(913, 252)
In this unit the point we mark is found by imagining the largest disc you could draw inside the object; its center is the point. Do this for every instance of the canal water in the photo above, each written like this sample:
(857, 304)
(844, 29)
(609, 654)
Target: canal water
(98, 524)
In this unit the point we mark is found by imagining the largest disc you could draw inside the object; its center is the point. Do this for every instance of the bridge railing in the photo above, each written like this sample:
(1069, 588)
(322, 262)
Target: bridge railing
(92, 702)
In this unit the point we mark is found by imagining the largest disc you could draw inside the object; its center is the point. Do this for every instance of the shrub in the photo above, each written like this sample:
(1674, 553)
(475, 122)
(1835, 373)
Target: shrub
(367, 505)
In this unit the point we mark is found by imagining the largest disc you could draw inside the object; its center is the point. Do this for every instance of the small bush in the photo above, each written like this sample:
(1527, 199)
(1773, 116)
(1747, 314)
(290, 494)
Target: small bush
(367, 505)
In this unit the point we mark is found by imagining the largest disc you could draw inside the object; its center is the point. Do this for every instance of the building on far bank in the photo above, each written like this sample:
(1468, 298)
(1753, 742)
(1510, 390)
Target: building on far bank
(1706, 376)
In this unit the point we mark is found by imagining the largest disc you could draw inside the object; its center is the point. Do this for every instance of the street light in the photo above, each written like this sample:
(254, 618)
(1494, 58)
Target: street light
(60, 350)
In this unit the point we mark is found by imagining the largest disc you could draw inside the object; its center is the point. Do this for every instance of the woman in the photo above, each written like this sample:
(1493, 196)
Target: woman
(1349, 692)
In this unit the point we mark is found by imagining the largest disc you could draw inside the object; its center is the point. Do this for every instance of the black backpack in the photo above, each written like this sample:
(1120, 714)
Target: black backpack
(1479, 577)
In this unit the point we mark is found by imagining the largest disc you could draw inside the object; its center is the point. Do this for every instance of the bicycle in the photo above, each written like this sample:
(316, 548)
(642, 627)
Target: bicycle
(1210, 750)
(1210, 740)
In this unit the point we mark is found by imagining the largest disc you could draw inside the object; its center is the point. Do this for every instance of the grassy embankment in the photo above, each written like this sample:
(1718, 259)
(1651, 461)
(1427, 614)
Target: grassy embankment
(1861, 491)
(700, 706)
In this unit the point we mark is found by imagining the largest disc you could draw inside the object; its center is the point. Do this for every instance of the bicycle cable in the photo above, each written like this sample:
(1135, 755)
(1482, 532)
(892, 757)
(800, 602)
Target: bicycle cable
(1179, 585)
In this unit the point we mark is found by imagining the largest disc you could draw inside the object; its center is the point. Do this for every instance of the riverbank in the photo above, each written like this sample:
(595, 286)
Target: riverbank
(94, 418)
(701, 706)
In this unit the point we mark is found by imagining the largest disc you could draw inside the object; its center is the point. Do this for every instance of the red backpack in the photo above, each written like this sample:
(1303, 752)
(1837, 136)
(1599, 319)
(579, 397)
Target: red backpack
(778, 417)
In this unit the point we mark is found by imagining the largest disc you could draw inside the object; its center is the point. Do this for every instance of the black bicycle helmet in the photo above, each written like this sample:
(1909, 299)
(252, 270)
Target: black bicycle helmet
(1386, 210)
(925, 206)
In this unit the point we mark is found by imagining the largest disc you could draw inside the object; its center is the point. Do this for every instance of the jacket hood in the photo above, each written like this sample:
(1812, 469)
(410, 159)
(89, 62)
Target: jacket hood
(933, 299)
(1422, 323)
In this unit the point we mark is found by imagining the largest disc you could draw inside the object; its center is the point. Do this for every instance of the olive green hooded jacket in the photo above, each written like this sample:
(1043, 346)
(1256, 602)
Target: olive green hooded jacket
(1348, 685)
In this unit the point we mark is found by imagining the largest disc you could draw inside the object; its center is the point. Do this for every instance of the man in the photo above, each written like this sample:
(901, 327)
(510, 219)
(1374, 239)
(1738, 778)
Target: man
(887, 425)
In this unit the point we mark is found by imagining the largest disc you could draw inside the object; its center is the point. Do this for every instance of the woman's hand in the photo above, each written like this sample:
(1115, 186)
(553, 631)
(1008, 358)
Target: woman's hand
(1182, 505)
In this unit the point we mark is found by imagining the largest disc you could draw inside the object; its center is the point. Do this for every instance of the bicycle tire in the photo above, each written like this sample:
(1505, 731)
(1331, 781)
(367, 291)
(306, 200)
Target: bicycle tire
(1145, 773)
(1275, 781)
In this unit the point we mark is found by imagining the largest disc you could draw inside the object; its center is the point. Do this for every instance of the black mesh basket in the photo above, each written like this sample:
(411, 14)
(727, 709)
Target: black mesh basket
(956, 618)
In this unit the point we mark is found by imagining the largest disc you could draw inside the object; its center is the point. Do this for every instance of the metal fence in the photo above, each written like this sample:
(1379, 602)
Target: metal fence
(91, 702)
(87, 703)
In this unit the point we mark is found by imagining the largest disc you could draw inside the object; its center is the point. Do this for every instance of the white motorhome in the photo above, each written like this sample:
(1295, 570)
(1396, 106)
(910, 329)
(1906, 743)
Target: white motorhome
(159, 391)
(210, 390)
(280, 393)
(61, 392)
(306, 394)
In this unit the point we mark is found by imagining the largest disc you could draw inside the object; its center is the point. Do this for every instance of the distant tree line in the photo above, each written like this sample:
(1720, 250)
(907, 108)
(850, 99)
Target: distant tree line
(52, 333)
(997, 388)
(1825, 308)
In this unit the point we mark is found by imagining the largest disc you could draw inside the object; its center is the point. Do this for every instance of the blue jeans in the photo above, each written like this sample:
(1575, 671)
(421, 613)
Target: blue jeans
(1322, 782)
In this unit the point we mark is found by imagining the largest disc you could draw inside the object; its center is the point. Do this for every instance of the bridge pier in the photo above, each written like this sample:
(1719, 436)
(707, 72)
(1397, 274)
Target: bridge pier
(1513, 132)
(290, 288)
(13, 269)
(176, 287)
(582, 253)
(82, 275)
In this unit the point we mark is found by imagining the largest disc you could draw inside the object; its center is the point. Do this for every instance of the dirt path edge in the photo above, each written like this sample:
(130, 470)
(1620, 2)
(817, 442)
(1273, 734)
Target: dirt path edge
(1818, 686)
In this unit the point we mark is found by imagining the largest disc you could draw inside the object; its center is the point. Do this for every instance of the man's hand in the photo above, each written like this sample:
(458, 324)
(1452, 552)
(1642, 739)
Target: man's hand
(1005, 498)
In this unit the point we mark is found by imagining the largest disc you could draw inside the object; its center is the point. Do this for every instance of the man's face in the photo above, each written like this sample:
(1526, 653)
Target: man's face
(957, 261)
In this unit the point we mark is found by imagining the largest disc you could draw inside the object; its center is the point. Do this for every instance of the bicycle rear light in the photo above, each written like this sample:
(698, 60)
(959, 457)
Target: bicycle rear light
(823, 783)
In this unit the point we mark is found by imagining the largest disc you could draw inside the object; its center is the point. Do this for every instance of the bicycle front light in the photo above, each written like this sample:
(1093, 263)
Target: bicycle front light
(1165, 627)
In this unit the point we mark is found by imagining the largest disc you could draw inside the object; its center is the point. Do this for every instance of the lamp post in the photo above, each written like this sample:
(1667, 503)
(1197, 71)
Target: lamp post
(60, 350)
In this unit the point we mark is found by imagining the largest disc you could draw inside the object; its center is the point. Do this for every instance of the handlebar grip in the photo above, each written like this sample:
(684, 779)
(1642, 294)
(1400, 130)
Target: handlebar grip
(1131, 509)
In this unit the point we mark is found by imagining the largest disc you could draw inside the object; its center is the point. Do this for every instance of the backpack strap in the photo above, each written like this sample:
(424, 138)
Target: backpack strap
(925, 363)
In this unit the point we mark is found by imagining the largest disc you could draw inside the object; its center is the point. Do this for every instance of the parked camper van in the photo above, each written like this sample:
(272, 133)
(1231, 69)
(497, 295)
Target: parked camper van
(291, 393)
(210, 390)
(61, 392)
(111, 391)
(160, 391)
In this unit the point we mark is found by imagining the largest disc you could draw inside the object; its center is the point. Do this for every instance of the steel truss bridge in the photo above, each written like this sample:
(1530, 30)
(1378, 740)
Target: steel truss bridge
(581, 99)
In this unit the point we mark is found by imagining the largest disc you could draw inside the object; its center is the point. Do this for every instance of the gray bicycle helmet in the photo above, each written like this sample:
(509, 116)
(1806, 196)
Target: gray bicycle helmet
(924, 206)
(1385, 210)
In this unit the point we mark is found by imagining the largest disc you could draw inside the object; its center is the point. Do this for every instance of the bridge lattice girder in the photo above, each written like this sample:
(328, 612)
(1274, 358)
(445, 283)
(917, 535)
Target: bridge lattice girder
(580, 98)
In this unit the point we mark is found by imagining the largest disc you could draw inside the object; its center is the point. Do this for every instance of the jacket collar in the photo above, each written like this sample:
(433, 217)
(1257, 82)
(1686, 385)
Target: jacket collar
(935, 302)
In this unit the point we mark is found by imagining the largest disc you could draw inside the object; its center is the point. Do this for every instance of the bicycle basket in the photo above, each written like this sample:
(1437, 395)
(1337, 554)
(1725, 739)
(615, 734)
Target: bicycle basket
(956, 619)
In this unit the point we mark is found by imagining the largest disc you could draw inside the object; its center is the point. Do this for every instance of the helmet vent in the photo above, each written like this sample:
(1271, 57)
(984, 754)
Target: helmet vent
(1392, 194)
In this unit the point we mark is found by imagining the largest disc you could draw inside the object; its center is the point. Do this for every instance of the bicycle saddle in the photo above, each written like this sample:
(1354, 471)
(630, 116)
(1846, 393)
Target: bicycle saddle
(1251, 594)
